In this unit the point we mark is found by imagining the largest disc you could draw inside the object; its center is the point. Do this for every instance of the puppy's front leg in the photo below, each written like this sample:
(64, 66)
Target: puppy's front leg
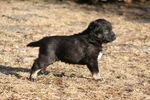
(93, 67)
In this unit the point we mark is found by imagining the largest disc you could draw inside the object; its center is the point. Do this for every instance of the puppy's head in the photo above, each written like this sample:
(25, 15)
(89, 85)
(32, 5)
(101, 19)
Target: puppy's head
(101, 30)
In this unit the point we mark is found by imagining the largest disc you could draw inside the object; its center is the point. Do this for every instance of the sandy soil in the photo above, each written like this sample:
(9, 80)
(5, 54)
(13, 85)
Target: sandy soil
(125, 65)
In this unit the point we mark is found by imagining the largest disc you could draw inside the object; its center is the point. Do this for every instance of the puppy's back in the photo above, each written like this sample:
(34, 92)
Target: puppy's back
(43, 41)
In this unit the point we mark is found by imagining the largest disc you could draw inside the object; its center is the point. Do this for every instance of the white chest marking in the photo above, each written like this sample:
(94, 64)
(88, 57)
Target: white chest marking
(99, 56)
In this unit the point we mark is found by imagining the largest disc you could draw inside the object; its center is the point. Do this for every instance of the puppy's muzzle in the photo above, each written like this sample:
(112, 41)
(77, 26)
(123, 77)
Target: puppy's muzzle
(113, 36)
(109, 38)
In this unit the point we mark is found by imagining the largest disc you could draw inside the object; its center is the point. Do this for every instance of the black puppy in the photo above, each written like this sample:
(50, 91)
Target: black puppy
(82, 48)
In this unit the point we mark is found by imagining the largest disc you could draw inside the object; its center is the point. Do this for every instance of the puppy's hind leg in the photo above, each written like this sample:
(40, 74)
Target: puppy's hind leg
(40, 63)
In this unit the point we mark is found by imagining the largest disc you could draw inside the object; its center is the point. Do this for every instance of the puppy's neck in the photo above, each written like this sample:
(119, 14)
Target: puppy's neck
(96, 43)
(90, 38)
(85, 32)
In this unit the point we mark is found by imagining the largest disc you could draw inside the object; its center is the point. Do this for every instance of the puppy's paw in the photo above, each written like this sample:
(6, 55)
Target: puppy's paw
(33, 76)
(44, 72)
(32, 79)
(97, 77)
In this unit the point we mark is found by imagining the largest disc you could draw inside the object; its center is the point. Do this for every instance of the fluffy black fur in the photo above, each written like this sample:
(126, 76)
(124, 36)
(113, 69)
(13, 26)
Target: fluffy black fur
(82, 48)
(88, 1)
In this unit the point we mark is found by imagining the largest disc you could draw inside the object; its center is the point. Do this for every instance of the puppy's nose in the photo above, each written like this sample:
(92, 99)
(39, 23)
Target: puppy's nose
(113, 35)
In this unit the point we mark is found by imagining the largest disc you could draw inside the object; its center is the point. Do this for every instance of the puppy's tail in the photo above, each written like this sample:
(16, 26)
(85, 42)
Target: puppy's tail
(34, 44)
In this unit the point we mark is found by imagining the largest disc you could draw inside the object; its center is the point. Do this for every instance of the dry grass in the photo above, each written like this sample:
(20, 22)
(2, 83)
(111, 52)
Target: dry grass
(125, 65)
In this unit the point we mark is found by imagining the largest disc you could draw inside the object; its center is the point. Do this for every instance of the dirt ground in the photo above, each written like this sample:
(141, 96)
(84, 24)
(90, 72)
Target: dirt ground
(125, 65)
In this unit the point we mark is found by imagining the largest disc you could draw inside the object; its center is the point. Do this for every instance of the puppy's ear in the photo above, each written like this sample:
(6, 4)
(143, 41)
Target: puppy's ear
(92, 26)
(90, 29)
(100, 36)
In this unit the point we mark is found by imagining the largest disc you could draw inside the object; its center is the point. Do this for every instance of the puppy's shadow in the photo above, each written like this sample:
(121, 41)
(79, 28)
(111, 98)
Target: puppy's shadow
(62, 74)
(8, 70)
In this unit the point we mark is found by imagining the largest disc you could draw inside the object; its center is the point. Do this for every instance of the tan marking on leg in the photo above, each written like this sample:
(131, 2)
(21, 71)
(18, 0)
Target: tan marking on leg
(34, 75)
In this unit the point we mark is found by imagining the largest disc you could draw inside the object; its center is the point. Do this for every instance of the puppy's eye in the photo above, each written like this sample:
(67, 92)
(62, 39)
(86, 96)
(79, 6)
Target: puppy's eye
(106, 32)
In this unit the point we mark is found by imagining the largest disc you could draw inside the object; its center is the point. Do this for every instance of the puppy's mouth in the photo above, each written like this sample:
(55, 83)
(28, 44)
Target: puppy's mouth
(109, 39)
(113, 38)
